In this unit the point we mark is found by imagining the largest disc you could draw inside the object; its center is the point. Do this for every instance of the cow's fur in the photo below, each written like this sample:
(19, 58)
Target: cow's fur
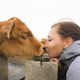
(17, 40)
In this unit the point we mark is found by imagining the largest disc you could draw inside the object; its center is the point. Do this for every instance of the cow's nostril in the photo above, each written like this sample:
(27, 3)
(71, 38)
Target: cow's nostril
(45, 49)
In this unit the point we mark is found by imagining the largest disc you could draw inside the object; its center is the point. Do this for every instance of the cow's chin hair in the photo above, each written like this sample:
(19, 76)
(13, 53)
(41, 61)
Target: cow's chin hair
(23, 59)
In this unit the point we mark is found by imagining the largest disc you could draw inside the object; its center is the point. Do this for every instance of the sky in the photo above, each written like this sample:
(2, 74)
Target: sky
(40, 15)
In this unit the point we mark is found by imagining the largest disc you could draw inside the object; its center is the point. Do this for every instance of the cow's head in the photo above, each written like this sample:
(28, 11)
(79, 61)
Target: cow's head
(17, 40)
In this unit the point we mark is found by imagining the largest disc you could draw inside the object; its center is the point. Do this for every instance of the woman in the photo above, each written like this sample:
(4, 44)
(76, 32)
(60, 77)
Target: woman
(64, 44)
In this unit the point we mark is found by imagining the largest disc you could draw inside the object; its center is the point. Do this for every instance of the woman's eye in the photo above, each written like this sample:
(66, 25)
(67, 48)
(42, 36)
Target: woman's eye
(50, 40)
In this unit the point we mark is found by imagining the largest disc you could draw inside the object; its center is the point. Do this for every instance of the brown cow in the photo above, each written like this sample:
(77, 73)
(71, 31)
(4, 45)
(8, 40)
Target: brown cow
(17, 40)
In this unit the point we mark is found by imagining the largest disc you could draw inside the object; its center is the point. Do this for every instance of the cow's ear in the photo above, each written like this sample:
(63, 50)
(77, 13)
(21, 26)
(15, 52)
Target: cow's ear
(10, 27)
(6, 28)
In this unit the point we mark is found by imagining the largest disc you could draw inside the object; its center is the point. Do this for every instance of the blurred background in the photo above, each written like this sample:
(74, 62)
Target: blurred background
(40, 15)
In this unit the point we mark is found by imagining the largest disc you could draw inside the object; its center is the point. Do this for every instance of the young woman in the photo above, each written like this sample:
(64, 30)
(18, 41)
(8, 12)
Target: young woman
(64, 44)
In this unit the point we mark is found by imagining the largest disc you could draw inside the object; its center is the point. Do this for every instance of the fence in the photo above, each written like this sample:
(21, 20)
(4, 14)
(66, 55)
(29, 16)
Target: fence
(31, 70)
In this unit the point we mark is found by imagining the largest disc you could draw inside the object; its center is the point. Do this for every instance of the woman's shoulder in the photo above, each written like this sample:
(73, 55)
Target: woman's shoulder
(75, 63)
(73, 72)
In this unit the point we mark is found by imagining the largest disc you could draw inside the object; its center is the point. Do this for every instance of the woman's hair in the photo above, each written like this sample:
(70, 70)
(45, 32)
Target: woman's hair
(68, 29)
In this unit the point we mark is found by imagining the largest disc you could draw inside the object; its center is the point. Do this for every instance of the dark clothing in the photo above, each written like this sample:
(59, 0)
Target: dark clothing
(67, 57)
(64, 65)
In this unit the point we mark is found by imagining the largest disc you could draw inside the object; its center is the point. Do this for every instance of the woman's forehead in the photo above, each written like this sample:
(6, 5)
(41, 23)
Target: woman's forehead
(53, 30)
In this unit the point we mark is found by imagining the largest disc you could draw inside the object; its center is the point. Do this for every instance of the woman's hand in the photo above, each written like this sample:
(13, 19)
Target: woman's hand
(55, 60)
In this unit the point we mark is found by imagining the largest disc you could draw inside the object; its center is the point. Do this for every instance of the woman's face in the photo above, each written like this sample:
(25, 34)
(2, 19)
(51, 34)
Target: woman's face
(55, 43)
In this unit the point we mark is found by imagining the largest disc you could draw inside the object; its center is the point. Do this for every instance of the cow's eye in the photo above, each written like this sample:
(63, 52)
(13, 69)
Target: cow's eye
(27, 35)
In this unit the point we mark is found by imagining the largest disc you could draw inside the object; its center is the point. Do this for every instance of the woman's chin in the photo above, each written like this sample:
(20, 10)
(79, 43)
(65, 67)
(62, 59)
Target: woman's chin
(50, 56)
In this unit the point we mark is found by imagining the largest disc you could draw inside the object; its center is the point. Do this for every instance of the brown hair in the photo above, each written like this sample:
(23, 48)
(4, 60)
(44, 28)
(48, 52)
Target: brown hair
(68, 29)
